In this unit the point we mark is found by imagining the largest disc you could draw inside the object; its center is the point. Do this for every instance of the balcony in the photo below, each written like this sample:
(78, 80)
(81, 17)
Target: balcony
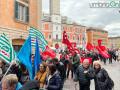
(54, 39)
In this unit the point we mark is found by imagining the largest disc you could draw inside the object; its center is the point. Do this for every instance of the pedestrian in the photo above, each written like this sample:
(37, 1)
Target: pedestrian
(14, 68)
(40, 76)
(1, 76)
(4, 67)
(65, 62)
(101, 77)
(88, 55)
(117, 55)
(53, 80)
(23, 74)
(104, 60)
(31, 85)
(84, 74)
(48, 57)
(61, 69)
(41, 57)
(10, 82)
(111, 55)
(76, 61)
(70, 66)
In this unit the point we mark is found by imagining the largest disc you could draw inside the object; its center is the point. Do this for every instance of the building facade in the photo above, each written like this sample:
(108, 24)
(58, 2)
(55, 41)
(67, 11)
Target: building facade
(54, 24)
(16, 17)
(114, 42)
(94, 34)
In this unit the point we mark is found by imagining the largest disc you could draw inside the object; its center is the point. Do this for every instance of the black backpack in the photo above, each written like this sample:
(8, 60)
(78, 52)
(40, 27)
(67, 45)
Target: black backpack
(110, 84)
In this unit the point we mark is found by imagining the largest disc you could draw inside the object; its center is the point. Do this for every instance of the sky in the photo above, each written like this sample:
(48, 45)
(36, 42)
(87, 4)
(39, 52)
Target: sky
(79, 11)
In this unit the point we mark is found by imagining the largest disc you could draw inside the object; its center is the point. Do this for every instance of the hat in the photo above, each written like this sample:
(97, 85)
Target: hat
(0, 71)
(31, 84)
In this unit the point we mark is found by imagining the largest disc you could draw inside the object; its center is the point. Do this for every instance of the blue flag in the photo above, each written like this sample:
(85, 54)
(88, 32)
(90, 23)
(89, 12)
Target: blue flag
(37, 59)
(24, 55)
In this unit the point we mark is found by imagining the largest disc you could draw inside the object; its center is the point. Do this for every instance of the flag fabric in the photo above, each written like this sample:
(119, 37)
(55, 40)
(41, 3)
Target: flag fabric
(24, 55)
(49, 52)
(66, 41)
(102, 49)
(104, 53)
(89, 46)
(41, 40)
(85, 46)
(37, 59)
(6, 50)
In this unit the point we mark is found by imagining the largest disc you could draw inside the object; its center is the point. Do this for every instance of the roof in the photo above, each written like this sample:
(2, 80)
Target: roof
(96, 29)
(114, 37)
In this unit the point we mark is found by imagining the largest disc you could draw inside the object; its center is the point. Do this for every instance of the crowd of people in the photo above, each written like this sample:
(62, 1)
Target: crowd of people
(54, 72)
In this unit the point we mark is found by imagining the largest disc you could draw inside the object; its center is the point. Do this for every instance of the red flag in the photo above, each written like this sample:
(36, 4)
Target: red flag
(76, 50)
(89, 46)
(74, 44)
(49, 52)
(104, 53)
(44, 56)
(66, 41)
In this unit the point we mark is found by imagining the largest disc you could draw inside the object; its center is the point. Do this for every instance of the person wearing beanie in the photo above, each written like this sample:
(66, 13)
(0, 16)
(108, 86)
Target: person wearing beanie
(31, 84)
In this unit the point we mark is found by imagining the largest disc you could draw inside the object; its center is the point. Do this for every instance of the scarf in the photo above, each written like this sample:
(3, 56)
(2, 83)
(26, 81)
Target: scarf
(97, 70)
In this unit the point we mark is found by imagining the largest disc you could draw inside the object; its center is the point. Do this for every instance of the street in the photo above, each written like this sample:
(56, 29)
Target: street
(113, 71)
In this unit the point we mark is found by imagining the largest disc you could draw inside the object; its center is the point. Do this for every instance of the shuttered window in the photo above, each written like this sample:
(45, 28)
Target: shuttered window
(21, 12)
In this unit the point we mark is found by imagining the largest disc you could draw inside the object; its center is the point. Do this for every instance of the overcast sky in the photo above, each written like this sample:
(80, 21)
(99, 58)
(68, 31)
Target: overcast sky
(79, 11)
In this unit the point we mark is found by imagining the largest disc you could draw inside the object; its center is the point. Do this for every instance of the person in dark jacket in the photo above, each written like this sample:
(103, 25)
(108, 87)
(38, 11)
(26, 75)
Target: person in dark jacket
(111, 55)
(101, 77)
(76, 61)
(88, 55)
(4, 67)
(14, 68)
(52, 80)
(60, 67)
(84, 74)
(64, 61)
(23, 74)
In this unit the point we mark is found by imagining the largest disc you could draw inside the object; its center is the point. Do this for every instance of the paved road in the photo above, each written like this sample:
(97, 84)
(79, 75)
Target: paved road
(113, 71)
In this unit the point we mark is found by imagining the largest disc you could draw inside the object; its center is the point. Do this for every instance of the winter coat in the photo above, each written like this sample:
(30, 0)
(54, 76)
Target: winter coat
(55, 82)
(41, 77)
(76, 60)
(15, 70)
(101, 80)
(89, 56)
(5, 68)
(70, 65)
(64, 61)
(61, 69)
(23, 76)
(81, 76)
(111, 54)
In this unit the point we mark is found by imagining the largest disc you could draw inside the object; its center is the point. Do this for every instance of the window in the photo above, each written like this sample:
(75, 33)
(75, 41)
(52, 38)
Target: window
(83, 31)
(78, 37)
(68, 29)
(73, 37)
(49, 35)
(17, 47)
(73, 29)
(56, 37)
(50, 27)
(68, 37)
(43, 26)
(78, 30)
(82, 37)
(56, 27)
(21, 12)
(62, 28)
